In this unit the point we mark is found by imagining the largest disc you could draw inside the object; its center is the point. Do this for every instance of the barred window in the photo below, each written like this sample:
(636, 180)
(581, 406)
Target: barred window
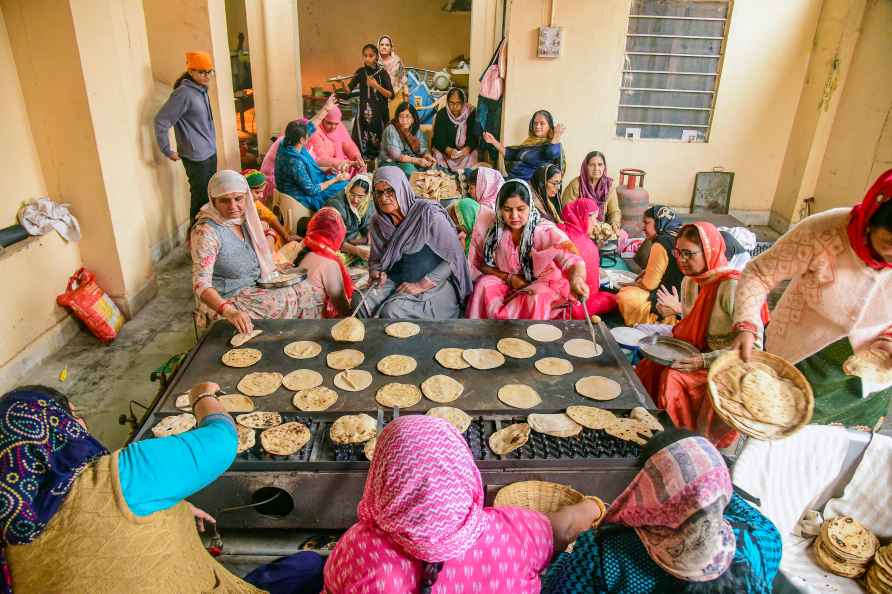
(673, 60)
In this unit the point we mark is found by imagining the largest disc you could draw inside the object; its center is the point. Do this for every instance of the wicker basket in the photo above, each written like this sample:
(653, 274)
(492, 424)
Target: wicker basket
(543, 497)
(784, 369)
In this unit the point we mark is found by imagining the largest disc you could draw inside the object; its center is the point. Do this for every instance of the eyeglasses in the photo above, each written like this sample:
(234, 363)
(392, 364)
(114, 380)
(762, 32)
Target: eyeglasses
(205, 72)
(685, 254)
(389, 194)
(553, 183)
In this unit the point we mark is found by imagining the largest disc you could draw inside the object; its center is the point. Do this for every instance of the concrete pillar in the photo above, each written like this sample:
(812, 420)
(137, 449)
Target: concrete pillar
(275, 65)
(196, 25)
(838, 31)
(81, 63)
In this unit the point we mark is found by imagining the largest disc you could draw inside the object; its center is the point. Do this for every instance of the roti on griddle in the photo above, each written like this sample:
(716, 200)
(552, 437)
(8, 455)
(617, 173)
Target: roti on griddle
(591, 417)
(629, 430)
(302, 379)
(315, 399)
(483, 358)
(441, 388)
(353, 429)
(454, 416)
(183, 402)
(259, 419)
(345, 359)
(397, 365)
(516, 348)
(368, 448)
(236, 403)
(639, 413)
(246, 438)
(303, 349)
(598, 387)
(544, 332)
(241, 338)
(353, 380)
(348, 330)
(260, 383)
(451, 358)
(556, 425)
(401, 395)
(285, 439)
(241, 357)
(582, 348)
(519, 396)
(402, 329)
(506, 440)
(174, 425)
(554, 366)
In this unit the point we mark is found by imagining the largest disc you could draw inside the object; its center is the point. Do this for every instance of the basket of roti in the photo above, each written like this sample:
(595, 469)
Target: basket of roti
(543, 497)
(766, 397)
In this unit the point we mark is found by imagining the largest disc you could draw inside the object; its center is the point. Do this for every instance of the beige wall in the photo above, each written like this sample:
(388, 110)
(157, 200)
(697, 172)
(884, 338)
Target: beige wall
(332, 35)
(860, 146)
(767, 54)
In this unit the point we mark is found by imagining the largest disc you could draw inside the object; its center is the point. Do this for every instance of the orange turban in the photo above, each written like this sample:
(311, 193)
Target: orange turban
(199, 61)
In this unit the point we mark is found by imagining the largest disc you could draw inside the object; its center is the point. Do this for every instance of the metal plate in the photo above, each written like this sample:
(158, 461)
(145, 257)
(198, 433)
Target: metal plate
(666, 350)
(284, 280)
(628, 337)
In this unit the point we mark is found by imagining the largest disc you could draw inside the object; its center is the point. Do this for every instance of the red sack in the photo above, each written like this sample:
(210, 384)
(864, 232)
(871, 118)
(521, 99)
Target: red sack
(92, 306)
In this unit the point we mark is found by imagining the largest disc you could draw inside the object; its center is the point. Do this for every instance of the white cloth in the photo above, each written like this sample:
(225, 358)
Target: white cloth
(867, 497)
(746, 238)
(43, 215)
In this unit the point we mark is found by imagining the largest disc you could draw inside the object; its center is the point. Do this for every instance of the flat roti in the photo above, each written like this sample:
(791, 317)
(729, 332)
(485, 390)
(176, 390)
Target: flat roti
(451, 358)
(174, 425)
(397, 365)
(303, 349)
(519, 396)
(454, 416)
(368, 448)
(582, 348)
(260, 383)
(504, 441)
(246, 438)
(516, 348)
(544, 332)
(259, 419)
(770, 399)
(315, 399)
(597, 387)
(302, 379)
(236, 403)
(872, 366)
(353, 380)
(554, 366)
(401, 395)
(483, 358)
(402, 329)
(556, 425)
(286, 439)
(353, 429)
(241, 338)
(241, 357)
(442, 388)
(639, 413)
(628, 430)
(591, 417)
(348, 330)
(182, 402)
(345, 359)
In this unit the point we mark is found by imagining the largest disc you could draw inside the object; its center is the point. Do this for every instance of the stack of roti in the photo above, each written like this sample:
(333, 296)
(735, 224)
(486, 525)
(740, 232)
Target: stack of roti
(845, 547)
(434, 184)
(285, 439)
(879, 576)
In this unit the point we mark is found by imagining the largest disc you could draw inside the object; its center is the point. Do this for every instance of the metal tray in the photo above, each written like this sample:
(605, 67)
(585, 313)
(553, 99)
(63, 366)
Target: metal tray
(286, 279)
(666, 350)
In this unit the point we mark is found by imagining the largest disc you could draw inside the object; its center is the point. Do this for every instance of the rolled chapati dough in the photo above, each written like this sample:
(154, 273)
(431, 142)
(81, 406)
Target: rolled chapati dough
(441, 388)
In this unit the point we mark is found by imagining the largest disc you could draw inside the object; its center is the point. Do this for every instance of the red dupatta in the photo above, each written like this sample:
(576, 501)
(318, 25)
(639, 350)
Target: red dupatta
(879, 192)
(325, 234)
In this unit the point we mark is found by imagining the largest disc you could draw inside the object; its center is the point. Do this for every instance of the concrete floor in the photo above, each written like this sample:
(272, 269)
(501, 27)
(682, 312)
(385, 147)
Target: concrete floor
(102, 380)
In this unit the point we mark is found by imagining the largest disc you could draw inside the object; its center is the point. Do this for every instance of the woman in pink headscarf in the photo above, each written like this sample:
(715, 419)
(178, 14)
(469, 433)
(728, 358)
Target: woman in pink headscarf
(422, 523)
(484, 185)
(332, 146)
(580, 218)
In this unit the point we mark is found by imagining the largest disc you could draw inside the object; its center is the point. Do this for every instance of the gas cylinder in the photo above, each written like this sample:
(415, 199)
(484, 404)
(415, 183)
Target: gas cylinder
(633, 200)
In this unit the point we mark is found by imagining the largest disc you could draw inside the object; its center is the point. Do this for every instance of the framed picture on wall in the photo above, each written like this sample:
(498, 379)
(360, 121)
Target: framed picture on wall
(550, 41)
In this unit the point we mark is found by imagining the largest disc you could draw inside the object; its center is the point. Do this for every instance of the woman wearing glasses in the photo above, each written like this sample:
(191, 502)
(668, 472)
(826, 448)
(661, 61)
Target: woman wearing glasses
(640, 303)
(417, 267)
(706, 308)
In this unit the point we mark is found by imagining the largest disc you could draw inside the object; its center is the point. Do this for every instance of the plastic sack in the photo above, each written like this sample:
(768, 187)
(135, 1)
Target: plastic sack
(92, 306)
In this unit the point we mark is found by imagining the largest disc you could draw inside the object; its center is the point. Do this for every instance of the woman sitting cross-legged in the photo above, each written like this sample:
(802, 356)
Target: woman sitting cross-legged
(77, 518)
(463, 214)
(417, 267)
(354, 204)
(332, 146)
(580, 218)
(229, 256)
(323, 263)
(525, 261)
(593, 183)
(541, 147)
(456, 133)
(423, 527)
(680, 526)
(403, 143)
(706, 309)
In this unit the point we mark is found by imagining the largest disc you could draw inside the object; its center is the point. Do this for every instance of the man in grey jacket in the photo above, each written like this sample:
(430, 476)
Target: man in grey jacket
(188, 111)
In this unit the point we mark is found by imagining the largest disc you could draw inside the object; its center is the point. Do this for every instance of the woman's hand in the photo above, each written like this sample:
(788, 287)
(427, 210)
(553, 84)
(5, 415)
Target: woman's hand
(490, 139)
(558, 132)
(238, 318)
(579, 287)
(200, 516)
(669, 301)
(201, 389)
(743, 344)
(690, 364)
(377, 278)
(418, 288)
